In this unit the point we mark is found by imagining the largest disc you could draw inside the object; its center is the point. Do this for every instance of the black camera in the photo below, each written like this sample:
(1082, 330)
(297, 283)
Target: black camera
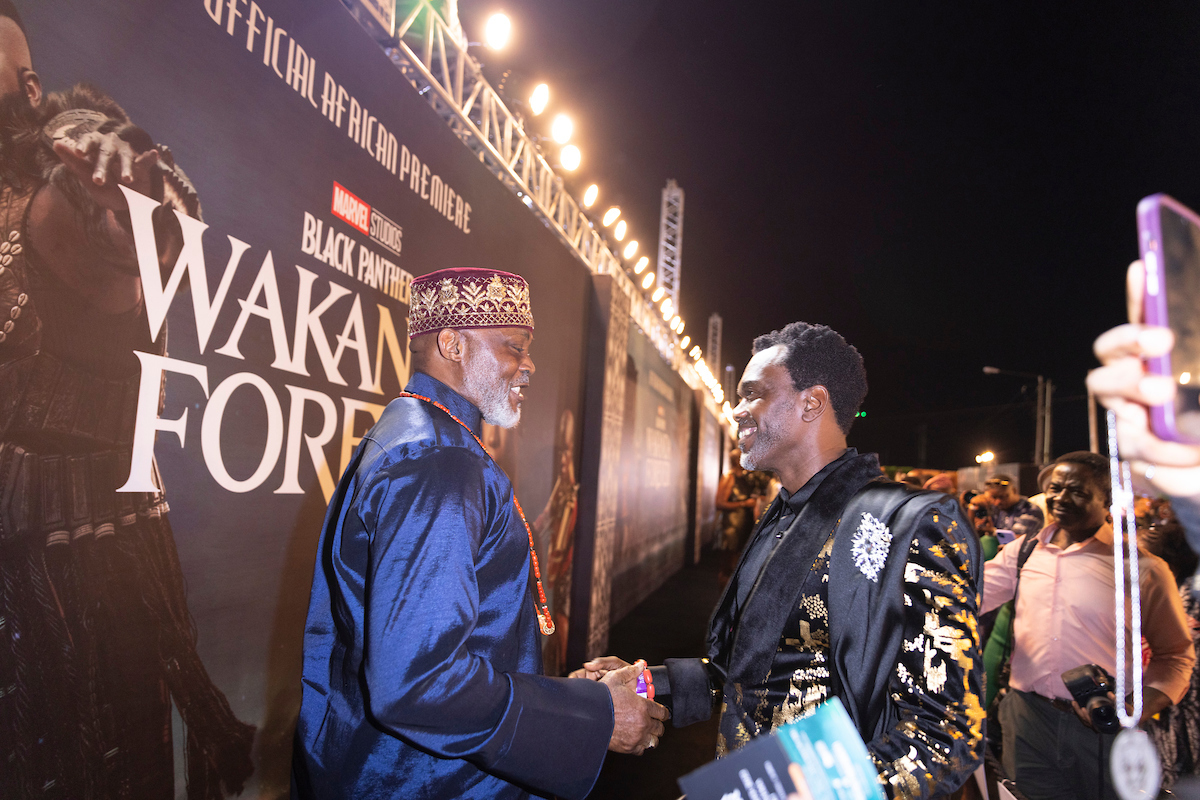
(1090, 685)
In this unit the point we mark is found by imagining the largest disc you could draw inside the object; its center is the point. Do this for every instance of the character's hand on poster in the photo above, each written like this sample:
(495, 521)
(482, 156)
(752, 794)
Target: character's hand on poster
(103, 161)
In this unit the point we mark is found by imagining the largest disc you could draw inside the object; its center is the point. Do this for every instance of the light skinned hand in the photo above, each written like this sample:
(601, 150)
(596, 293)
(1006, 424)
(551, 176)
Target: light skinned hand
(1122, 384)
(637, 722)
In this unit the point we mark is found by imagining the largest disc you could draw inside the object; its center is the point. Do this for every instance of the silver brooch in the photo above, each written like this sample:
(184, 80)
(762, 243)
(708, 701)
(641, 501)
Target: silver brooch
(870, 546)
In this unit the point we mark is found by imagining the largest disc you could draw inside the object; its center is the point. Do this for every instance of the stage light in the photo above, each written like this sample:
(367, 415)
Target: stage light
(676, 324)
(658, 294)
(619, 231)
(648, 280)
(984, 458)
(497, 31)
(668, 305)
(1184, 377)
(666, 314)
(696, 352)
(684, 342)
(631, 249)
(589, 197)
(561, 129)
(640, 265)
(569, 158)
(610, 216)
(539, 99)
(681, 324)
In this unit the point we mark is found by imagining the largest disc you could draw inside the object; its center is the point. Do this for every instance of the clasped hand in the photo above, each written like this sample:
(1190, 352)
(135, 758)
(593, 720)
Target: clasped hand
(637, 722)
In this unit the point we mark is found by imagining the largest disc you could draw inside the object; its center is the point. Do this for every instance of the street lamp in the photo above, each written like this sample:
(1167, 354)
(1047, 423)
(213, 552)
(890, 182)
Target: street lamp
(1043, 411)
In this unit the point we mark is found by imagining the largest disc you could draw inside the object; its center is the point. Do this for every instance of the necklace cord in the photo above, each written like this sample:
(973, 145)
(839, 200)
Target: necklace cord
(540, 606)
(1125, 548)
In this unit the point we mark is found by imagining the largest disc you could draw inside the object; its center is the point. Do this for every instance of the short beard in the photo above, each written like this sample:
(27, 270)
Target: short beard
(748, 460)
(486, 388)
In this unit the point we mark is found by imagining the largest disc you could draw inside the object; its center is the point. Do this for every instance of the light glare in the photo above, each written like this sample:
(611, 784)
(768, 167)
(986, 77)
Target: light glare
(497, 31)
(684, 342)
(640, 265)
(569, 158)
(610, 216)
(619, 231)
(658, 294)
(648, 280)
(539, 99)
(681, 324)
(631, 249)
(562, 128)
(589, 197)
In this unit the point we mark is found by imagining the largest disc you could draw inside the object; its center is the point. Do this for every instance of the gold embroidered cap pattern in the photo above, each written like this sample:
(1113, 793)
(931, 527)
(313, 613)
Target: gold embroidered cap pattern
(468, 298)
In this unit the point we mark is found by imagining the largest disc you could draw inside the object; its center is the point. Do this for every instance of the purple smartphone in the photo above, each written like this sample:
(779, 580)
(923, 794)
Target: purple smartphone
(1169, 239)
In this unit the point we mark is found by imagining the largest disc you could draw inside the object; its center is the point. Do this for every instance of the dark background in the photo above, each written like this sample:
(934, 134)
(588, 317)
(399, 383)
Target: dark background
(948, 185)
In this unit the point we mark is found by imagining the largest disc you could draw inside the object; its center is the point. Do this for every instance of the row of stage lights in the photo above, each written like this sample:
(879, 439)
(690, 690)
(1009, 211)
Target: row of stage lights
(497, 32)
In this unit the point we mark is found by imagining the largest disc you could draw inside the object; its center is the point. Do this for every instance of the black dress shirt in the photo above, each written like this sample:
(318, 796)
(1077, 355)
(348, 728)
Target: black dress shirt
(775, 522)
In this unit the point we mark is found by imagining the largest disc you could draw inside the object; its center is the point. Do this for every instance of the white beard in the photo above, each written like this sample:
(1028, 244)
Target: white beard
(487, 389)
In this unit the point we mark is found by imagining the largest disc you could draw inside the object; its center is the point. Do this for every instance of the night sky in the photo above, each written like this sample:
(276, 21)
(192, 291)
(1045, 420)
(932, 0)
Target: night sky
(948, 185)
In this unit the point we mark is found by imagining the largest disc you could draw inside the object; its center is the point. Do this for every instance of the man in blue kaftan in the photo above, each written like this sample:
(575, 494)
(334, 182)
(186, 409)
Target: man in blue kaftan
(422, 662)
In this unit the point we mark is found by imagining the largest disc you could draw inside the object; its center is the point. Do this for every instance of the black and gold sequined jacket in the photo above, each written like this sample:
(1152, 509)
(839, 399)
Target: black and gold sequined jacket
(870, 596)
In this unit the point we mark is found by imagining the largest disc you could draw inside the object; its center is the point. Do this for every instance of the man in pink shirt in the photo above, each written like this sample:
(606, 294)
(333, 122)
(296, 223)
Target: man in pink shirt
(1065, 619)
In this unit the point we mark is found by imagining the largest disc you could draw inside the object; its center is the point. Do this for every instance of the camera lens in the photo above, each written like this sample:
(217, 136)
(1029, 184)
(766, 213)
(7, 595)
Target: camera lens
(1103, 714)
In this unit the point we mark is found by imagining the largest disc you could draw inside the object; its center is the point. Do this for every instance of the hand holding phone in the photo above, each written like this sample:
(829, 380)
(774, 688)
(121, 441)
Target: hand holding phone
(1169, 240)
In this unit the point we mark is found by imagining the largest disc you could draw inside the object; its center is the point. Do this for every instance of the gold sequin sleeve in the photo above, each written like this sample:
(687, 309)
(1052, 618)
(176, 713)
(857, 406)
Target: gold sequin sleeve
(936, 686)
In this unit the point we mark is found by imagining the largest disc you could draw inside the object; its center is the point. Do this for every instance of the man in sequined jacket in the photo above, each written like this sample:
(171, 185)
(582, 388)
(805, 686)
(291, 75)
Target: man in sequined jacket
(851, 586)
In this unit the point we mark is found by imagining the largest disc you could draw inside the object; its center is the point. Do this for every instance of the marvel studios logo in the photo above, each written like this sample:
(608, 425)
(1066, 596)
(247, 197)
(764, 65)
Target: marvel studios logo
(349, 208)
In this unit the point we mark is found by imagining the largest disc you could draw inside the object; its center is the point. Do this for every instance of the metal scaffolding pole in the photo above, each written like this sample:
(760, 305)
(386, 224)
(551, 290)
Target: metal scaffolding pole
(712, 354)
(670, 243)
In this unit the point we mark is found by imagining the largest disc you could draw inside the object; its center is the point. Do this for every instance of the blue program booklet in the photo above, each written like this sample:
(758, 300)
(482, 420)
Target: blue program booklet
(821, 757)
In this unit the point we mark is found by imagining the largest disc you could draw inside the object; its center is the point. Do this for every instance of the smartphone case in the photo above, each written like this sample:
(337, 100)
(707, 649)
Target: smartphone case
(1154, 304)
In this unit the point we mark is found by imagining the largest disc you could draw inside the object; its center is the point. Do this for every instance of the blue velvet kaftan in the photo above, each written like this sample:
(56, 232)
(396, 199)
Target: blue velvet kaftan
(422, 663)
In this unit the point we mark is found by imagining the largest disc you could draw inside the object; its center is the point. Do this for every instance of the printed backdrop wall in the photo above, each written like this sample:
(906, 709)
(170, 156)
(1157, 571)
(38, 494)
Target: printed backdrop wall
(266, 339)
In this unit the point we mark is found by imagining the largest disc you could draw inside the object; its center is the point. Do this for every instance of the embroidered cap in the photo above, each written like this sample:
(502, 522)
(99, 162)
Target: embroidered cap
(468, 297)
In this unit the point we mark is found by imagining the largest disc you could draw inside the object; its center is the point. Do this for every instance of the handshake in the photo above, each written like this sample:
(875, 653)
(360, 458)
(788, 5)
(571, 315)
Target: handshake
(637, 722)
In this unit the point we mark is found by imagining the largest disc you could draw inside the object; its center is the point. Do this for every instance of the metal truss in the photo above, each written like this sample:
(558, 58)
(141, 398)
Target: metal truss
(712, 355)
(670, 241)
(435, 61)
